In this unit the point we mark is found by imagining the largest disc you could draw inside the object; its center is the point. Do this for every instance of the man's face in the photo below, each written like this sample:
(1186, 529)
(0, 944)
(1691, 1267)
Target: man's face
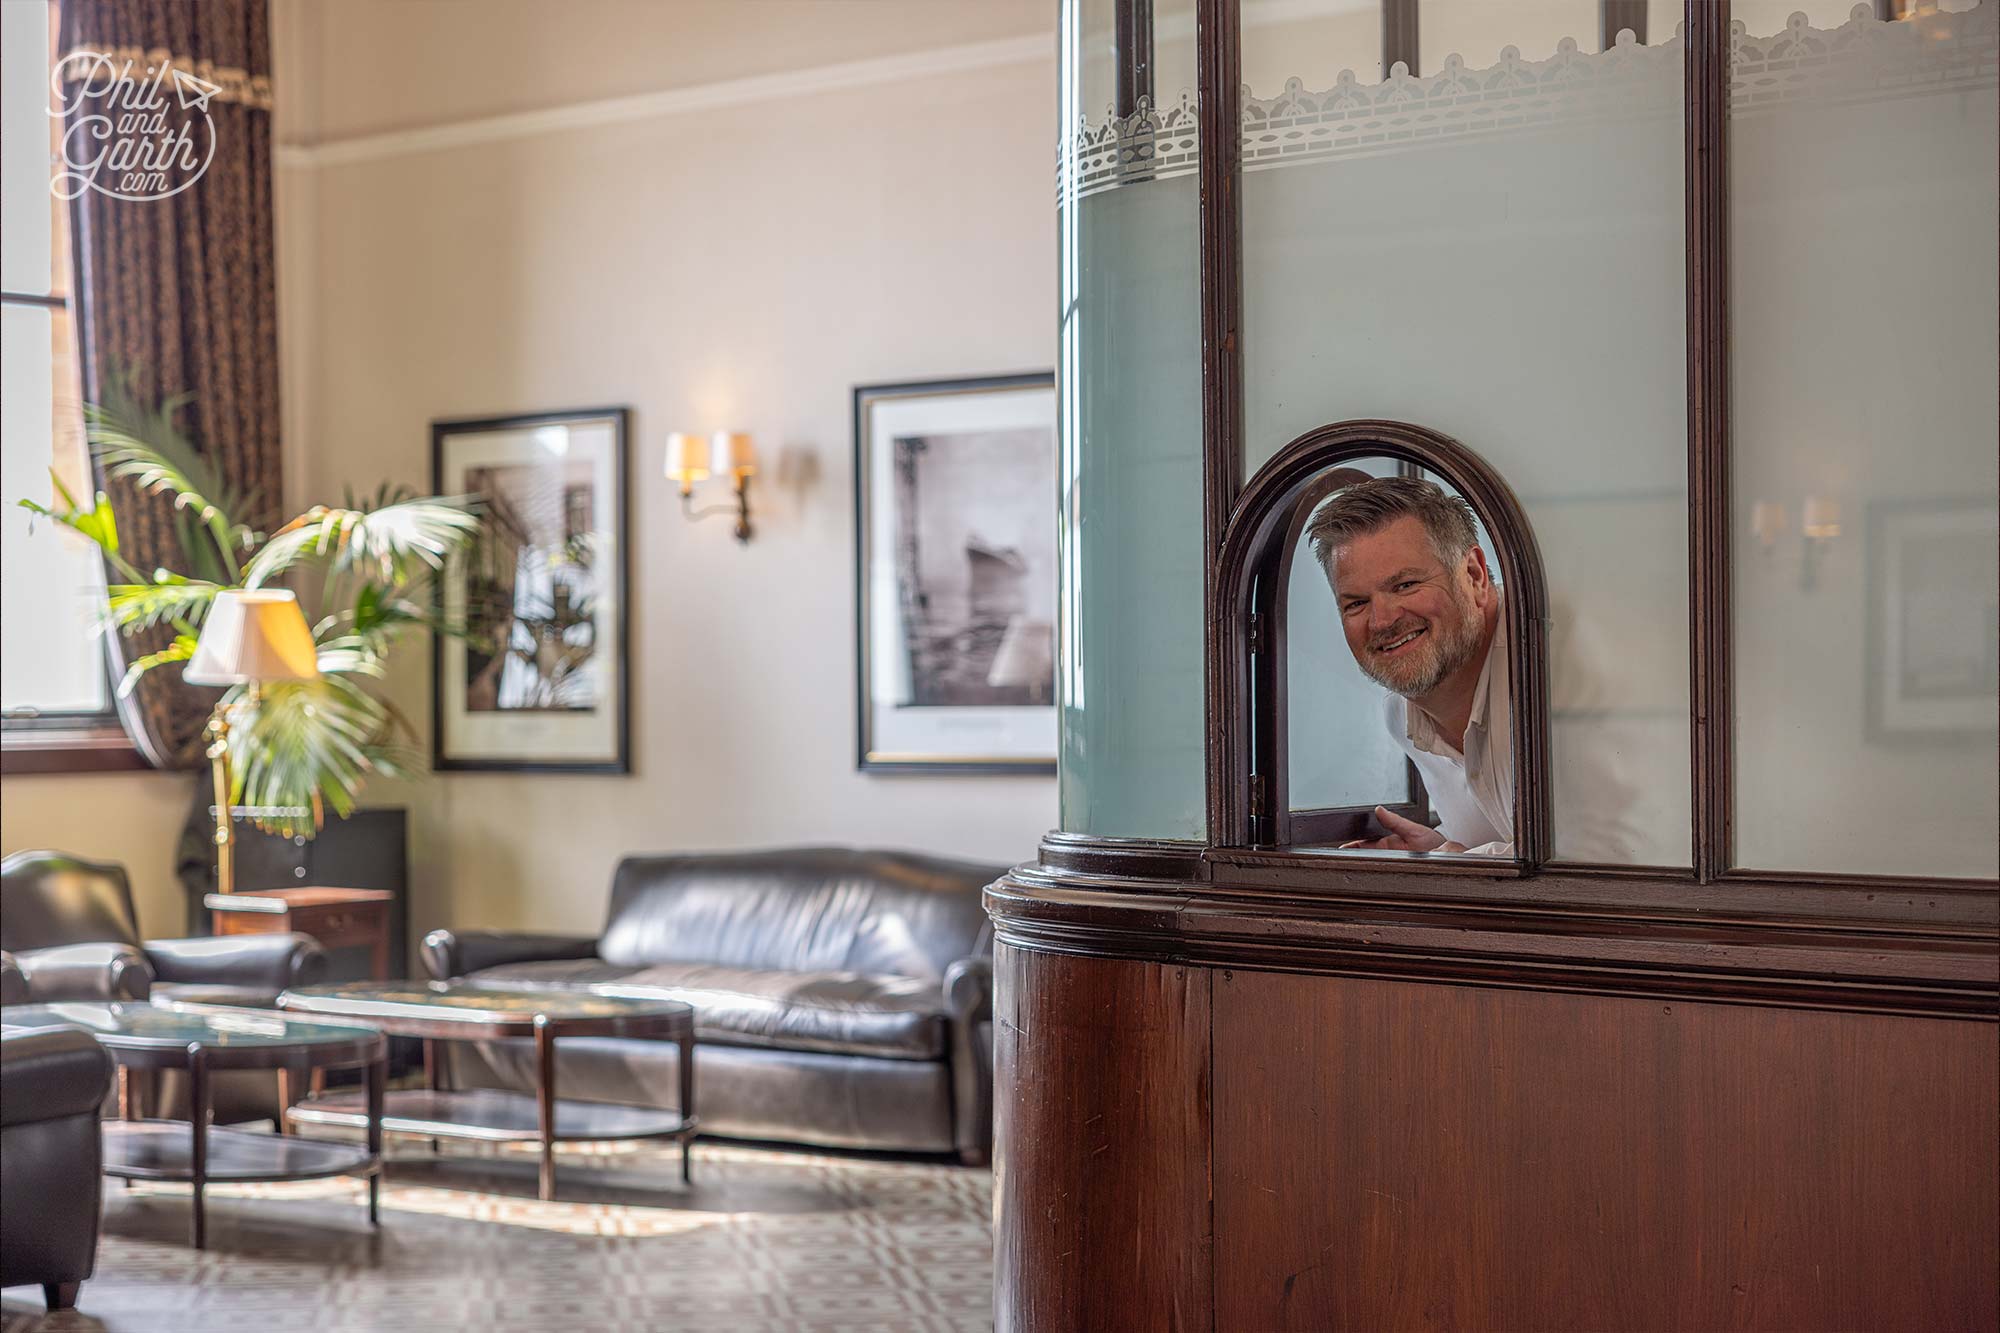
(1410, 619)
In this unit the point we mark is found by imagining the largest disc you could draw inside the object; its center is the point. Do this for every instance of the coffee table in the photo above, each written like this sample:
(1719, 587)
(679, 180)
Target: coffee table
(144, 1038)
(447, 1011)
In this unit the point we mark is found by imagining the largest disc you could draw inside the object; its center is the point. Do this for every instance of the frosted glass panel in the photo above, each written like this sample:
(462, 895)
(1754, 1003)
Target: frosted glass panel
(1478, 30)
(1130, 639)
(1497, 252)
(1863, 289)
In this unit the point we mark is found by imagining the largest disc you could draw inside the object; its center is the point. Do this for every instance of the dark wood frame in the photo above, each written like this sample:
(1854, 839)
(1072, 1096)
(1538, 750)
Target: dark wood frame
(621, 419)
(864, 395)
(1257, 550)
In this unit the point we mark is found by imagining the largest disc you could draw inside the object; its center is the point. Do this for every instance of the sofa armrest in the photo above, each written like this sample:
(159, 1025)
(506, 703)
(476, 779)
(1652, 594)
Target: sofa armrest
(968, 998)
(49, 1073)
(13, 981)
(85, 972)
(968, 990)
(454, 953)
(269, 963)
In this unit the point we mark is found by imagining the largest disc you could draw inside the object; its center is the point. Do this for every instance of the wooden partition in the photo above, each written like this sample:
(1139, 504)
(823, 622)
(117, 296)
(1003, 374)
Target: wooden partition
(1231, 1111)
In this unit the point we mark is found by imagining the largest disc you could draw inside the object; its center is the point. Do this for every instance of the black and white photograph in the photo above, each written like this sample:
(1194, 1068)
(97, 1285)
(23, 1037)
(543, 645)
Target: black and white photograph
(956, 578)
(534, 674)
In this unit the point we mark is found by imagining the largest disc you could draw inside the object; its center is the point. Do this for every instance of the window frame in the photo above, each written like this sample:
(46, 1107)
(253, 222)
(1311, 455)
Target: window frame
(1250, 588)
(95, 740)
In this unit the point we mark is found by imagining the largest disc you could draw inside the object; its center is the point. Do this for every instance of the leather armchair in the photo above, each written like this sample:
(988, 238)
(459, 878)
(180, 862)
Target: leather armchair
(70, 927)
(52, 1081)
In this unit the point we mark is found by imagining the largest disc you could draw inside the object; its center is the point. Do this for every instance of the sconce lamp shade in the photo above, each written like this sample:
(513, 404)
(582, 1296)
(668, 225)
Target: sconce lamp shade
(1026, 655)
(732, 452)
(687, 458)
(1821, 518)
(1767, 521)
(253, 634)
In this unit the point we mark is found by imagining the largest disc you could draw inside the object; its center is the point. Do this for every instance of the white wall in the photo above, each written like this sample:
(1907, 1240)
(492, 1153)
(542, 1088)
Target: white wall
(740, 266)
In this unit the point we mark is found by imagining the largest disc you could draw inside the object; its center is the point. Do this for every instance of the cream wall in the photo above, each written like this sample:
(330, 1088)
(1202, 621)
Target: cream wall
(742, 266)
(739, 266)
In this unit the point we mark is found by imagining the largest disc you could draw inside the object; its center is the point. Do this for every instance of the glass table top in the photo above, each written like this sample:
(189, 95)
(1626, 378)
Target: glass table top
(447, 1000)
(140, 1024)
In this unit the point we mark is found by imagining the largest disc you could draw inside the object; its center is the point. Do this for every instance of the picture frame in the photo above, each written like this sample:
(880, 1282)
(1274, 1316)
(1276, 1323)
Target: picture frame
(540, 680)
(1933, 620)
(954, 575)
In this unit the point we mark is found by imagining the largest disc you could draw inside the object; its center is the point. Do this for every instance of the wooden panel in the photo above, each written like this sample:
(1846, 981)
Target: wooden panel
(1392, 1155)
(1100, 1176)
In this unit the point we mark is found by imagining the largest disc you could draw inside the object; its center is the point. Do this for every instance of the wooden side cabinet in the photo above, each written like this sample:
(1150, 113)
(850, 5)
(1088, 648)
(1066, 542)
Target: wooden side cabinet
(337, 918)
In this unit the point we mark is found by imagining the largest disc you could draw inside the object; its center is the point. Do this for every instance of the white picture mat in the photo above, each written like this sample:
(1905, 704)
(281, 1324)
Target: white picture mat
(1026, 734)
(575, 737)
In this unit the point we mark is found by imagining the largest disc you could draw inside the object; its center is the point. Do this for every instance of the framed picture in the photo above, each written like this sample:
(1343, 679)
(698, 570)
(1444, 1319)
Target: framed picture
(540, 679)
(955, 574)
(1933, 620)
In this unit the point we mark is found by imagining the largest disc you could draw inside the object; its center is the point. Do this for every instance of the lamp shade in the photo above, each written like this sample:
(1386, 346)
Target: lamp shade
(253, 634)
(731, 451)
(687, 458)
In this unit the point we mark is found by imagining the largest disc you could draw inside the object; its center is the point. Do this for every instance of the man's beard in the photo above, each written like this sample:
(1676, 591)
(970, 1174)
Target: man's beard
(1443, 648)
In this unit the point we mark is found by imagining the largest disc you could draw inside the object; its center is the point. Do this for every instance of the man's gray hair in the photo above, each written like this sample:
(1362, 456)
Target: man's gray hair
(1371, 505)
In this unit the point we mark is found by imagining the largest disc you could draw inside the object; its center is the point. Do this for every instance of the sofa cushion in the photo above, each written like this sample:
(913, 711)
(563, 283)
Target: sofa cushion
(801, 909)
(849, 1013)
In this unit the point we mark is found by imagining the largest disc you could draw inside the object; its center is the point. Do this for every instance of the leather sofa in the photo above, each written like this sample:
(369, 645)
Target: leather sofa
(72, 933)
(52, 1081)
(842, 997)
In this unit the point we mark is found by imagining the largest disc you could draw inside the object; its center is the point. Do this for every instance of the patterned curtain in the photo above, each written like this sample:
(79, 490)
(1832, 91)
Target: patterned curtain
(176, 287)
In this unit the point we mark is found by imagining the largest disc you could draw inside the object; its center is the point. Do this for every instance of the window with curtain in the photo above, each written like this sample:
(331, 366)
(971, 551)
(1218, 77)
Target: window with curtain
(52, 671)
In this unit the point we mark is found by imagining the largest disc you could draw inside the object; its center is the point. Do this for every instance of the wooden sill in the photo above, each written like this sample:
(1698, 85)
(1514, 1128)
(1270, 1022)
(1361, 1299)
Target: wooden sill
(98, 749)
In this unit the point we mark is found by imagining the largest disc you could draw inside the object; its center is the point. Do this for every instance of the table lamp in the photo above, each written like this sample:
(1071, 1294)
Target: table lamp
(251, 636)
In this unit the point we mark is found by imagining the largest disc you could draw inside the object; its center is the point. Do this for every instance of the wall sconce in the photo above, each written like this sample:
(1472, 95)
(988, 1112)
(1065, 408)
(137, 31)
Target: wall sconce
(691, 458)
(1767, 523)
(1819, 523)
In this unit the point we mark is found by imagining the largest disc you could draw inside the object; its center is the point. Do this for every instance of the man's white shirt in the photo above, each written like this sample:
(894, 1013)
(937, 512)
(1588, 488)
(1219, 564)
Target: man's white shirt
(1472, 791)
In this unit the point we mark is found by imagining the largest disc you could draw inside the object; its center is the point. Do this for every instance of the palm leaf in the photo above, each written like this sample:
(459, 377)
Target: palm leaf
(391, 543)
(146, 448)
(140, 606)
(306, 744)
(180, 650)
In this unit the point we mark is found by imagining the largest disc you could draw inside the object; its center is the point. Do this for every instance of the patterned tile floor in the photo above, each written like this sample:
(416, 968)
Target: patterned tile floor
(763, 1240)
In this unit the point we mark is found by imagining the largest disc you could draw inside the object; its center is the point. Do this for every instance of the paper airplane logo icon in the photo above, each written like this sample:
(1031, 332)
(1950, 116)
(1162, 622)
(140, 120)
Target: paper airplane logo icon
(193, 91)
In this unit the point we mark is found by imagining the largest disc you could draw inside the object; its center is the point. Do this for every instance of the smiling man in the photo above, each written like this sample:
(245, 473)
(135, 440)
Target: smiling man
(1422, 616)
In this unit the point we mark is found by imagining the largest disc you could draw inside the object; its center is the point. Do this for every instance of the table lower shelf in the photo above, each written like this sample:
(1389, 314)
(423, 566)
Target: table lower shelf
(493, 1116)
(164, 1150)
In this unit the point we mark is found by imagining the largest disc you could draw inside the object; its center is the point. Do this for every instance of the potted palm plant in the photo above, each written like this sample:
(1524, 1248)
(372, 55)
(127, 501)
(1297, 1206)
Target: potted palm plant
(364, 572)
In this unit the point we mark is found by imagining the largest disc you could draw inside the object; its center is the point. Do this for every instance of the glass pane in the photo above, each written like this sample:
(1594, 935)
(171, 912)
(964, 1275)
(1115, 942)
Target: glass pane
(27, 205)
(50, 658)
(1338, 752)
(1477, 31)
(1863, 287)
(1476, 253)
(1129, 677)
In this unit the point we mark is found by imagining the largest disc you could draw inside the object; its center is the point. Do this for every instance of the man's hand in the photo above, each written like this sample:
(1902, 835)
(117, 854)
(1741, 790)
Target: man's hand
(1405, 835)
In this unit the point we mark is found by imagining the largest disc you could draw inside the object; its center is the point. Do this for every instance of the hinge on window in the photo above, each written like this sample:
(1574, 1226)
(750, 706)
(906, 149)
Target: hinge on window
(1256, 631)
(1260, 809)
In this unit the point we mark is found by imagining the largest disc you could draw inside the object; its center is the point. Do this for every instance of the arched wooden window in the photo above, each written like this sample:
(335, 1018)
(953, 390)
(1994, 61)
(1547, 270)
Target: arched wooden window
(1259, 549)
